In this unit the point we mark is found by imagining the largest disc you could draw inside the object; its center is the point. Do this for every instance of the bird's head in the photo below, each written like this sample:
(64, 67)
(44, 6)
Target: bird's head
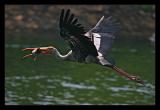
(40, 50)
(44, 50)
(47, 50)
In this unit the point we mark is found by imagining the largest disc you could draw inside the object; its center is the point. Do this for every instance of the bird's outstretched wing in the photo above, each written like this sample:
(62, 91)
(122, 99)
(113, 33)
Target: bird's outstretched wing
(102, 34)
(73, 32)
(69, 25)
(106, 25)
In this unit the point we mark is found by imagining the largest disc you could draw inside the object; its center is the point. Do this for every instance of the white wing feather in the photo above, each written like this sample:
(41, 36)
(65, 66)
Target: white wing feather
(102, 35)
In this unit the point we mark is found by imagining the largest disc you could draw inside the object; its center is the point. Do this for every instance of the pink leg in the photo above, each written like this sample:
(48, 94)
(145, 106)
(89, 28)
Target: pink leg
(131, 77)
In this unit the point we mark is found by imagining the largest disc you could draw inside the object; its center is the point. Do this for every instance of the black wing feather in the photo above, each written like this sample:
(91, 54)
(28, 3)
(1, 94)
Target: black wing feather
(67, 16)
(61, 18)
(71, 18)
(74, 21)
(69, 26)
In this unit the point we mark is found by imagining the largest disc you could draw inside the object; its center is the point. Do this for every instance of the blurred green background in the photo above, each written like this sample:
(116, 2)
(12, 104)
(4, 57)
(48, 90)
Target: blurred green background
(53, 81)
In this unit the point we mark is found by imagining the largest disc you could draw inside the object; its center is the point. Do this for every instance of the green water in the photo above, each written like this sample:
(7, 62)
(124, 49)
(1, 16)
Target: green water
(53, 81)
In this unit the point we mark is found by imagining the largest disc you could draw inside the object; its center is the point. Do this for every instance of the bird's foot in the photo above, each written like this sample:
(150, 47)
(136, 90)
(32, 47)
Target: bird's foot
(136, 79)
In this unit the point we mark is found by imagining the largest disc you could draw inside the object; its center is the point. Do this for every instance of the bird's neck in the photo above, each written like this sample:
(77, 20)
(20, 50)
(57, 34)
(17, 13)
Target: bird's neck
(58, 54)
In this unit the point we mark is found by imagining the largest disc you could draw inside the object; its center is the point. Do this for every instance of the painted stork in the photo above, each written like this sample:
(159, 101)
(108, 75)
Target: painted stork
(90, 47)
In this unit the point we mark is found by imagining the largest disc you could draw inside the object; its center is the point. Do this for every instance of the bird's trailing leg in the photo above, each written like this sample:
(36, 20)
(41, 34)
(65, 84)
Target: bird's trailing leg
(131, 77)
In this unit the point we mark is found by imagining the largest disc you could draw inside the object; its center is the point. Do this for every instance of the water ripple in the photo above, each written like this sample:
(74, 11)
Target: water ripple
(77, 86)
(145, 90)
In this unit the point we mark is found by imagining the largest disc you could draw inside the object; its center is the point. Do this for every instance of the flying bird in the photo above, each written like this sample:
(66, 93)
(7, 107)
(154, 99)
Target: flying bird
(86, 46)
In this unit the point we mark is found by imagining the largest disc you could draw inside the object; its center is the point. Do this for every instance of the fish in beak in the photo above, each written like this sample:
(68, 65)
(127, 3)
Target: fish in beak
(38, 50)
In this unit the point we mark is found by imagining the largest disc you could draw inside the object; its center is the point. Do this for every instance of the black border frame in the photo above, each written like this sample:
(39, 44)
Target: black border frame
(58, 2)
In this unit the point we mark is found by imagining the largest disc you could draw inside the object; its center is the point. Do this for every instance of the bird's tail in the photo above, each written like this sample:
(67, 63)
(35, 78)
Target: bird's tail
(131, 77)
